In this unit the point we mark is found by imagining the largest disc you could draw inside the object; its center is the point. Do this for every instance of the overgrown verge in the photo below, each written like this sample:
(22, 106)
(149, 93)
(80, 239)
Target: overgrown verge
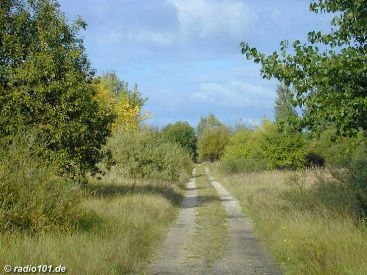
(109, 225)
(126, 223)
(47, 84)
(33, 197)
(309, 222)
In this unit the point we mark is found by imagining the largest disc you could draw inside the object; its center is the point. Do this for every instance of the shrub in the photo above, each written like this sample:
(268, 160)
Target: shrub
(183, 134)
(264, 147)
(314, 160)
(337, 153)
(143, 153)
(281, 150)
(32, 197)
(212, 142)
(243, 152)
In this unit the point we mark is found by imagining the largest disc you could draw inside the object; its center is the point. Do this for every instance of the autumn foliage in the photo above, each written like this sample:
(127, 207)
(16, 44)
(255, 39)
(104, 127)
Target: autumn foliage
(125, 105)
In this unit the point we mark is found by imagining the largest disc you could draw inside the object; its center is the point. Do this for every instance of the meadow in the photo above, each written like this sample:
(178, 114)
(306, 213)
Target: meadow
(125, 225)
(305, 222)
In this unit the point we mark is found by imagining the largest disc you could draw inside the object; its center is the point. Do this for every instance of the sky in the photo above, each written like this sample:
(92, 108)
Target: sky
(185, 54)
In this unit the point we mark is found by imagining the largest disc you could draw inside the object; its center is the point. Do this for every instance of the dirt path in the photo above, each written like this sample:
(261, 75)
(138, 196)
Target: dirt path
(244, 254)
(172, 254)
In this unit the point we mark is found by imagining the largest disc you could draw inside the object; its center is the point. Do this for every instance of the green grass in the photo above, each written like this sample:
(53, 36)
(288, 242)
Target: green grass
(210, 238)
(127, 222)
(306, 227)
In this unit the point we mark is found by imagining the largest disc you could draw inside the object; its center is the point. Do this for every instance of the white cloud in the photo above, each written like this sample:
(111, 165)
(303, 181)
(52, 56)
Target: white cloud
(116, 36)
(205, 18)
(233, 94)
(191, 19)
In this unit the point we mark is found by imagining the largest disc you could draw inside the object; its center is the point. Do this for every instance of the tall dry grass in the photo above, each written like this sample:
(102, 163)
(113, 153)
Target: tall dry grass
(126, 224)
(306, 220)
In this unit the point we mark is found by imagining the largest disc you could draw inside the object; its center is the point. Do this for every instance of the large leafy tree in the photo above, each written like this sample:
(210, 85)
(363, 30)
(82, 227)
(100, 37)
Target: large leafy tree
(329, 71)
(46, 83)
(183, 134)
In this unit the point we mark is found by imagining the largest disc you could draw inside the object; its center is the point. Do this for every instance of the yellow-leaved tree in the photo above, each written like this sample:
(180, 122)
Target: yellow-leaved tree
(116, 97)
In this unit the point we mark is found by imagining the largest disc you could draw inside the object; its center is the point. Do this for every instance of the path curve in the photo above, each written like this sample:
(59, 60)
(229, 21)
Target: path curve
(172, 254)
(244, 254)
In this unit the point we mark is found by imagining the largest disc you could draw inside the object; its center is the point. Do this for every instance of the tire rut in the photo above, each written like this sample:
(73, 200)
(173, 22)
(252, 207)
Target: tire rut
(172, 254)
(244, 253)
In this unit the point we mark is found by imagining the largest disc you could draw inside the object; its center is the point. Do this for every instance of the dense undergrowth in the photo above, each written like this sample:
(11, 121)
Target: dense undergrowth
(144, 153)
(33, 196)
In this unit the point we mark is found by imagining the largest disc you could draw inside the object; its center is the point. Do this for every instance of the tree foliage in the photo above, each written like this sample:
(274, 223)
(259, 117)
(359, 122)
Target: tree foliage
(46, 82)
(285, 113)
(212, 142)
(126, 105)
(264, 147)
(183, 134)
(244, 152)
(211, 121)
(33, 197)
(144, 154)
(328, 73)
(282, 150)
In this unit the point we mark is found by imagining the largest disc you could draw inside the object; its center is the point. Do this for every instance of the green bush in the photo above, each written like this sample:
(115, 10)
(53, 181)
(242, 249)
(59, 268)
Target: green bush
(264, 148)
(346, 159)
(337, 153)
(32, 197)
(212, 142)
(281, 150)
(243, 152)
(143, 153)
(183, 134)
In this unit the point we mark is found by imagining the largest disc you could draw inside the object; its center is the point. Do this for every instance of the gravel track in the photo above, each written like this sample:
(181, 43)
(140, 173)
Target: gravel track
(244, 254)
(172, 254)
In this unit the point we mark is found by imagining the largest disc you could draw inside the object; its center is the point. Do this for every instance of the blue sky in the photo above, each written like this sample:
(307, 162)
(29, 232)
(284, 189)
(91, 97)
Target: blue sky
(185, 54)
